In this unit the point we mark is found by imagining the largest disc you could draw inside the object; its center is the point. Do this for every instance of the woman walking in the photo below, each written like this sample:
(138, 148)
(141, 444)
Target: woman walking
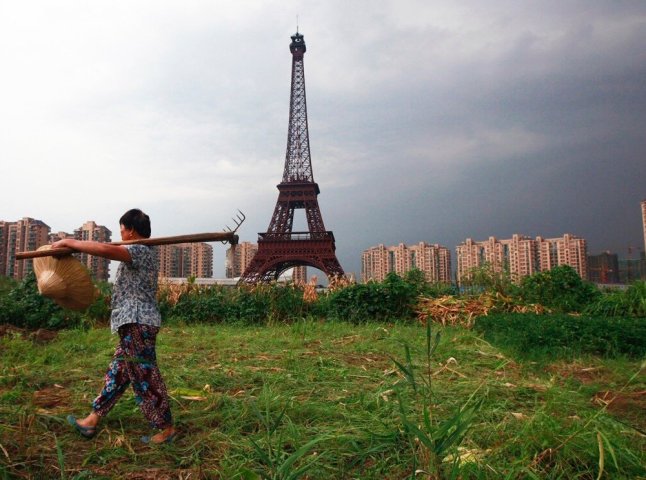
(135, 317)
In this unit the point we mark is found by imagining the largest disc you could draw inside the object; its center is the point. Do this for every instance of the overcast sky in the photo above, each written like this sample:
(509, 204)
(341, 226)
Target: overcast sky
(429, 120)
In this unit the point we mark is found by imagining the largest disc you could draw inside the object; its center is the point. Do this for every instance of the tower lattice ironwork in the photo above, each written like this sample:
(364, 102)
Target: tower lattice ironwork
(280, 248)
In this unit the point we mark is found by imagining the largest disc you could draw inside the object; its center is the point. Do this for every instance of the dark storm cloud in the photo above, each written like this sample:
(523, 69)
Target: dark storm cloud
(542, 135)
(429, 121)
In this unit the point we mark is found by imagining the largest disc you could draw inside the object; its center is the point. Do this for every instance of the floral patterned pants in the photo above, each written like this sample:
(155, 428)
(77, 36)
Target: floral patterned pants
(134, 362)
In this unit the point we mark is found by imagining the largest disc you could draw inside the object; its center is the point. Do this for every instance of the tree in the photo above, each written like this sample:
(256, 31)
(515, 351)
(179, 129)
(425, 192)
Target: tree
(561, 289)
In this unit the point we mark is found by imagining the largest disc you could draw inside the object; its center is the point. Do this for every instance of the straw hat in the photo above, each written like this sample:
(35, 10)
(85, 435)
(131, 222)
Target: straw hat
(64, 280)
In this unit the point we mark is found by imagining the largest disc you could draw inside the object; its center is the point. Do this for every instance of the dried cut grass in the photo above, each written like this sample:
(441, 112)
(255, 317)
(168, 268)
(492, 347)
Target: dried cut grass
(450, 310)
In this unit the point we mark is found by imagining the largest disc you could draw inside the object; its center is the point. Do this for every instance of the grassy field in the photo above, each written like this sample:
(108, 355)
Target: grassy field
(323, 400)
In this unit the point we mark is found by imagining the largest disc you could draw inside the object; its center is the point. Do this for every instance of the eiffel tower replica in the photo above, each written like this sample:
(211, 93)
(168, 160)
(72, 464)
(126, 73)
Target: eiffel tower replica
(280, 248)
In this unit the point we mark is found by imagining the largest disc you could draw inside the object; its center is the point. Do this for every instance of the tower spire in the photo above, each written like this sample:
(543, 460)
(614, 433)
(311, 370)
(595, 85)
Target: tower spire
(298, 164)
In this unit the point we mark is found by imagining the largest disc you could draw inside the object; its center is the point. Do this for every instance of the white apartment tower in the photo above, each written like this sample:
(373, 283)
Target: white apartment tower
(433, 260)
(566, 250)
(522, 256)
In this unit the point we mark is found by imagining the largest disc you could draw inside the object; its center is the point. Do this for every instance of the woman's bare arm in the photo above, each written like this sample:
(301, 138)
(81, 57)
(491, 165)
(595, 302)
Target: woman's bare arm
(105, 250)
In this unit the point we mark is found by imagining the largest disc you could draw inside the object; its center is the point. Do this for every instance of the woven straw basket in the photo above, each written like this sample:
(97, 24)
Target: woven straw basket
(65, 280)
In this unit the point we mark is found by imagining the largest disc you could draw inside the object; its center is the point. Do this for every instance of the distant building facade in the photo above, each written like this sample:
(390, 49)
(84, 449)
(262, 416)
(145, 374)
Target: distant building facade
(299, 274)
(99, 267)
(522, 256)
(185, 260)
(432, 259)
(23, 235)
(518, 255)
(643, 205)
(566, 250)
(603, 268)
(238, 258)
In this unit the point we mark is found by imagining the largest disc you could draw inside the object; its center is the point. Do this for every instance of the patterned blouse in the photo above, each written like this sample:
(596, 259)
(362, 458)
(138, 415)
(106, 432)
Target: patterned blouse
(135, 289)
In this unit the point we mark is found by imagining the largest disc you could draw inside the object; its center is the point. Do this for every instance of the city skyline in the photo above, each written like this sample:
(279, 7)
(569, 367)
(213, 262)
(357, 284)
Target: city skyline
(197, 259)
(502, 117)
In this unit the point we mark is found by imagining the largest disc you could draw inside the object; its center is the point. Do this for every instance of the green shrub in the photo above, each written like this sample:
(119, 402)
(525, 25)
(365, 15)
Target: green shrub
(99, 311)
(24, 307)
(392, 299)
(199, 305)
(6, 285)
(561, 335)
(560, 289)
(621, 303)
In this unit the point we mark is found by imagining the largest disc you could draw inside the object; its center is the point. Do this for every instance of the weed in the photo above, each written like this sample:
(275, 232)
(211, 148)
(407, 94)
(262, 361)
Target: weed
(438, 438)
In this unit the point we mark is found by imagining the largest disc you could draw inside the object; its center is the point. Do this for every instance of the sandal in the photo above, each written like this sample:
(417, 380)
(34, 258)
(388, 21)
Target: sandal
(148, 439)
(85, 432)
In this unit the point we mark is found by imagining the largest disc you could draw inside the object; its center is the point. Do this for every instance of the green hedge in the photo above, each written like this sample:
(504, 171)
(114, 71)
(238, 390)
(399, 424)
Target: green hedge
(561, 335)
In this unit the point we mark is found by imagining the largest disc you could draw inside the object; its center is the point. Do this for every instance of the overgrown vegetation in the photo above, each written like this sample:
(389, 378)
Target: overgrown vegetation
(560, 289)
(325, 400)
(270, 383)
(564, 336)
(22, 306)
(621, 303)
(396, 298)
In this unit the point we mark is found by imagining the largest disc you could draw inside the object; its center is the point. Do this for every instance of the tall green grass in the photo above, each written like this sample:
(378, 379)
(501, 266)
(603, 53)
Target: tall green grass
(621, 303)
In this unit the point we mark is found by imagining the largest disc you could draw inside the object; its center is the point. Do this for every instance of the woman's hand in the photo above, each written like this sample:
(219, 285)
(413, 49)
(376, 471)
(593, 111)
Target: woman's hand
(62, 244)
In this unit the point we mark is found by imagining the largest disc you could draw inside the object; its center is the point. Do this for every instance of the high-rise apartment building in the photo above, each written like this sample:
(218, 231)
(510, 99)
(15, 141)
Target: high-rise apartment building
(99, 267)
(522, 256)
(25, 234)
(376, 262)
(517, 255)
(185, 260)
(566, 250)
(238, 258)
(433, 260)
(299, 275)
(4, 247)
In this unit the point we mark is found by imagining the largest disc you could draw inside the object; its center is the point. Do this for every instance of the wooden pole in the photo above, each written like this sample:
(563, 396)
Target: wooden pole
(230, 237)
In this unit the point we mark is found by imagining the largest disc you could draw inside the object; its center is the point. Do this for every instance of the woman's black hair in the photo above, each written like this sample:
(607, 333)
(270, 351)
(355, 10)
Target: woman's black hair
(138, 220)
